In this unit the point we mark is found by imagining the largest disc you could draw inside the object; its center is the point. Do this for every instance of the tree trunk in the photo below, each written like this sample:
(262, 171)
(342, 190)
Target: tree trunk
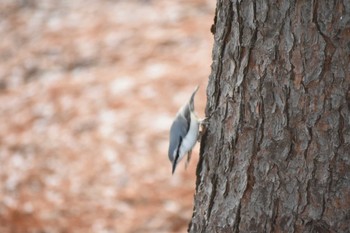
(275, 155)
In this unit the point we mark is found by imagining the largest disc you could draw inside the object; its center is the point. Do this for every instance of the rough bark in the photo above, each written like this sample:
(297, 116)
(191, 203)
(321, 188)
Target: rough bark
(276, 153)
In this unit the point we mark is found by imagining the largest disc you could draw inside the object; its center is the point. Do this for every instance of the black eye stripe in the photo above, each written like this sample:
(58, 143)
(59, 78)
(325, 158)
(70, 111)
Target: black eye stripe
(188, 118)
(177, 154)
(178, 150)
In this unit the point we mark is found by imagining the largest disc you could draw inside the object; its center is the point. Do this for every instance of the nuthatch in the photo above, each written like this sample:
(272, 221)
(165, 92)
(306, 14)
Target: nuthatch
(183, 133)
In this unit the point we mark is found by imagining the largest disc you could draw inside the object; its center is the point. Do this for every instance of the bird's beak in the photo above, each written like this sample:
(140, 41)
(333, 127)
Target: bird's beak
(174, 166)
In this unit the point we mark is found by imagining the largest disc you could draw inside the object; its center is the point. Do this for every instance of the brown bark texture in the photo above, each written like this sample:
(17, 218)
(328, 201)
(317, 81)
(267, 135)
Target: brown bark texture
(275, 156)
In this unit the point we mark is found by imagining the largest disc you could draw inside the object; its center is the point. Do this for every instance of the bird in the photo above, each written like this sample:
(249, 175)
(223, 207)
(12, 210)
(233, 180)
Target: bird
(184, 133)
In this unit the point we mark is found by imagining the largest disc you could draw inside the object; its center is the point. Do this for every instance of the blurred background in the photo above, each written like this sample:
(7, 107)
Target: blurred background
(88, 91)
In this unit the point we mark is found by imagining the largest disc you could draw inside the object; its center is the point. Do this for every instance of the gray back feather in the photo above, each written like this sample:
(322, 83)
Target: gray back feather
(178, 129)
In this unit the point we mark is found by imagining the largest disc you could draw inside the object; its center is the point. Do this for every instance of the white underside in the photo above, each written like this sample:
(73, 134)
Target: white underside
(191, 137)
